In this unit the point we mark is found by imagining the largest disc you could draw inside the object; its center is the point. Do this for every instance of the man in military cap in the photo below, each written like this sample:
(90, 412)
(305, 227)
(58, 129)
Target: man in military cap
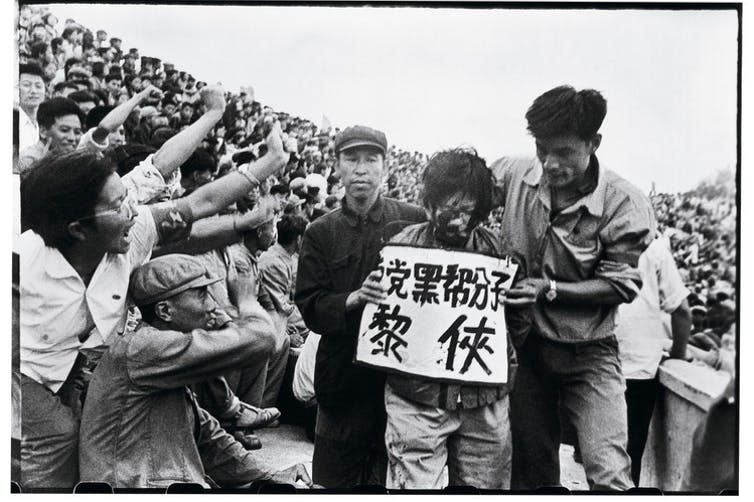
(141, 425)
(335, 280)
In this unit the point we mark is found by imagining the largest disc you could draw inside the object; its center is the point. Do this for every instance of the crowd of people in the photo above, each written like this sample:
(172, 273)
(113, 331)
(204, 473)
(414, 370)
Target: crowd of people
(199, 237)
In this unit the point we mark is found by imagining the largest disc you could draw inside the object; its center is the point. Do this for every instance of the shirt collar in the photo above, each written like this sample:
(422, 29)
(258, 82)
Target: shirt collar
(594, 188)
(374, 214)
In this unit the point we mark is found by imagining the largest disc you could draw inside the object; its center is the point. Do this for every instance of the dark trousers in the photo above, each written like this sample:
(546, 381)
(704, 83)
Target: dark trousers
(584, 379)
(640, 402)
(349, 446)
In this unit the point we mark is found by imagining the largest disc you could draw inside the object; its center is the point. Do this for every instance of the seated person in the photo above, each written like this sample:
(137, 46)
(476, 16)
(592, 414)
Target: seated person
(141, 425)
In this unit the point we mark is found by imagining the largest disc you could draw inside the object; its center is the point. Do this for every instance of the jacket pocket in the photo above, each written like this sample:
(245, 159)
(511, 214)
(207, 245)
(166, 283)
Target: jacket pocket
(341, 272)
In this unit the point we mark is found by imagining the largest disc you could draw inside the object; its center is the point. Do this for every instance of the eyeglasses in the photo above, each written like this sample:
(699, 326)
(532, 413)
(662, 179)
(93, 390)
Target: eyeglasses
(127, 208)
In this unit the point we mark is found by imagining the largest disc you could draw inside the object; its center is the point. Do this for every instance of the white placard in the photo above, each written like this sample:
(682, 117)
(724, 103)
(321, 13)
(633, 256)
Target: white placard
(442, 318)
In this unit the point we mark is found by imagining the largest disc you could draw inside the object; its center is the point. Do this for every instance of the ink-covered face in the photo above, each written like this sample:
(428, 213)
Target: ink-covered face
(453, 220)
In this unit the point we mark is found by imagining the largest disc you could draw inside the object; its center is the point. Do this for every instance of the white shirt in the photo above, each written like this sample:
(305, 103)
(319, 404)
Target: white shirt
(28, 131)
(58, 311)
(303, 373)
(642, 324)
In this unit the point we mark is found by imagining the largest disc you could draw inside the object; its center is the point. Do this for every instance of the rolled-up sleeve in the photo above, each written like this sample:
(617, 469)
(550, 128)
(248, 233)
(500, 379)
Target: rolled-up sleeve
(628, 232)
(171, 359)
(145, 183)
(323, 309)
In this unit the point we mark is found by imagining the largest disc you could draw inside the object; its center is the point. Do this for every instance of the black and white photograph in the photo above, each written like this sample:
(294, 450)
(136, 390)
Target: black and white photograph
(376, 248)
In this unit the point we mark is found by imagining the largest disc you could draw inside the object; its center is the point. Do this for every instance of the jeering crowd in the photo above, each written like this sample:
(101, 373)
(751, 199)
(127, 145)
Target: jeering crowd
(177, 243)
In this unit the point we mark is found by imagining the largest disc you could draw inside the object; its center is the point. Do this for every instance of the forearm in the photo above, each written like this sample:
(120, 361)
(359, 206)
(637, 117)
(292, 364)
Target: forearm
(213, 197)
(323, 312)
(116, 118)
(206, 234)
(592, 291)
(680, 322)
(177, 149)
(224, 459)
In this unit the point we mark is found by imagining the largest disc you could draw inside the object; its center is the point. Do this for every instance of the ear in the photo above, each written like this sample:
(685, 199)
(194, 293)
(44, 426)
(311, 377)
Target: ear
(163, 311)
(596, 141)
(76, 229)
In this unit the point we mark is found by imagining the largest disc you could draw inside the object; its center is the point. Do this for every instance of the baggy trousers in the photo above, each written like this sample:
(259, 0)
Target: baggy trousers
(586, 379)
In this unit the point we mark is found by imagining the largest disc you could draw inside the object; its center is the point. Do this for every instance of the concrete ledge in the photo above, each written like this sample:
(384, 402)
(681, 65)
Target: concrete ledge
(686, 394)
(700, 385)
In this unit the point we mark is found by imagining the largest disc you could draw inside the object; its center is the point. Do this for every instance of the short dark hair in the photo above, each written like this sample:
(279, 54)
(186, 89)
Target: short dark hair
(113, 76)
(98, 69)
(62, 85)
(458, 170)
(60, 189)
(130, 155)
(37, 49)
(290, 227)
(96, 114)
(83, 97)
(564, 110)
(70, 62)
(69, 31)
(55, 44)
(280, 188)
(199, 161)
(31, 69)
(50, 110)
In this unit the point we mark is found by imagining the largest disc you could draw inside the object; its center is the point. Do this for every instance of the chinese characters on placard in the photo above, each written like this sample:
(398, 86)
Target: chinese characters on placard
(446, 302)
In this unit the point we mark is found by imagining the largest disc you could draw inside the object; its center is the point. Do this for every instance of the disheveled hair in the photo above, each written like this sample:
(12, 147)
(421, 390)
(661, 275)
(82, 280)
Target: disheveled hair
(458, 170)
(60, 189)
(564, 110)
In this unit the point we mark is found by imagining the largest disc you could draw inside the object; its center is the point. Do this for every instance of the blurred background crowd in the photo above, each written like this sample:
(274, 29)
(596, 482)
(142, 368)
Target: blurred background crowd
(98, 72)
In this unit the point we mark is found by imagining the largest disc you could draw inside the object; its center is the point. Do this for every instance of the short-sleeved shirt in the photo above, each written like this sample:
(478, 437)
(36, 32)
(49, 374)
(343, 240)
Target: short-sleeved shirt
(61, 315)
(601, 235)
(641, 323)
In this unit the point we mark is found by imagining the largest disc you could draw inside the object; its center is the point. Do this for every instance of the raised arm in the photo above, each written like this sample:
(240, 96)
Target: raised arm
(120, 113)
(177, 149)
(213, 197)
(212, 233)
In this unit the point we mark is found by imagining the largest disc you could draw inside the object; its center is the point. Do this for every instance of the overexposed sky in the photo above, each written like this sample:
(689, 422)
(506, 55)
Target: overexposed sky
(436, 78)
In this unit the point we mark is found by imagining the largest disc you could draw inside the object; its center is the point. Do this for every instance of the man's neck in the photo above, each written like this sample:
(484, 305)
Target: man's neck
(361, 206)
(84, 261)
(251, 246)
(290, 248)
(31, 112)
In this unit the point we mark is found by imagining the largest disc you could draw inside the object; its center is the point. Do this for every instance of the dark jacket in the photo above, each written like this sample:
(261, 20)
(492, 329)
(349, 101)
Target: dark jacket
(338, 251)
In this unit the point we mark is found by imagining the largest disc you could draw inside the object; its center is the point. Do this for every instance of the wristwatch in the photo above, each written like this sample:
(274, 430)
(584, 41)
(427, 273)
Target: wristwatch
(552, 293)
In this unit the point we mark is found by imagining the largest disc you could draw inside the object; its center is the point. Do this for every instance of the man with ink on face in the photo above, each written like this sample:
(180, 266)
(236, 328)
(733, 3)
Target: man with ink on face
(431, 424)
(577, 230)
(335, 279)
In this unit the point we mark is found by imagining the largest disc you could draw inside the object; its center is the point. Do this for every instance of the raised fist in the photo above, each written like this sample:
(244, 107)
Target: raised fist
(213, 97)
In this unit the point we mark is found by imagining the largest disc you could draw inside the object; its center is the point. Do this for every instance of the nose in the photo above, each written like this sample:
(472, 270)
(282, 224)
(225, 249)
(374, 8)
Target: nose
(551, 162)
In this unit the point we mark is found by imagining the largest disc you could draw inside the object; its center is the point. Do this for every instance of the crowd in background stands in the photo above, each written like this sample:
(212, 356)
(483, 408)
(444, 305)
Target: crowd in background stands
(95, 71)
